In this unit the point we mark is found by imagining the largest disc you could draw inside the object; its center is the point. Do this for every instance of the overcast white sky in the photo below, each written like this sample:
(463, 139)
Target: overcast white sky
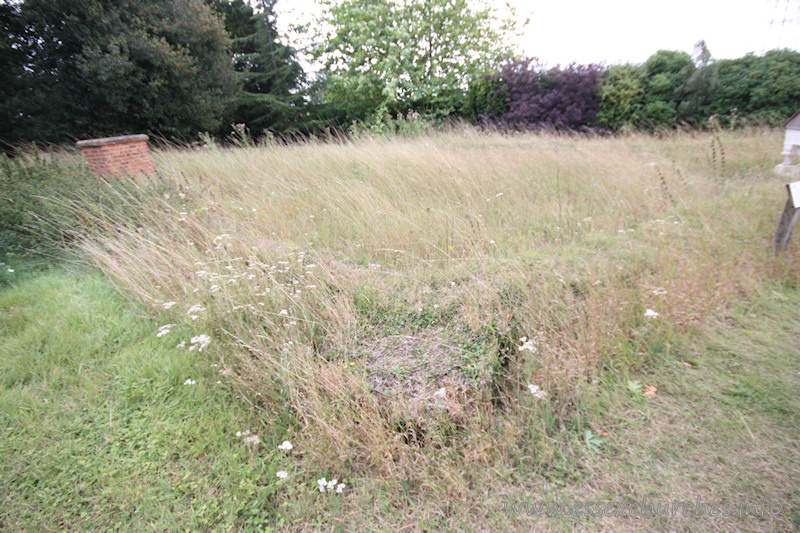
(620, 31)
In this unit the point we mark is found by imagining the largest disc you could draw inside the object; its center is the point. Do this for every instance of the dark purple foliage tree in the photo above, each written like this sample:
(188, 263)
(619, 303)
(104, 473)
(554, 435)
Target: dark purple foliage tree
(562, 98)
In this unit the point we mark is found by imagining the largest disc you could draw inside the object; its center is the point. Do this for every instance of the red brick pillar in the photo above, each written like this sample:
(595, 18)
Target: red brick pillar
(116, 155)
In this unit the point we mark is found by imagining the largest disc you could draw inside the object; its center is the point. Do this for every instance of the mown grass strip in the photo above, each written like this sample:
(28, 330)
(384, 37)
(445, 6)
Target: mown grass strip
(97, 429)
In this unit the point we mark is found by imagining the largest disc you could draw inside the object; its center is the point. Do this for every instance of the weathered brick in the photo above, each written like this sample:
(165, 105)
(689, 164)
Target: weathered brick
(115, 155)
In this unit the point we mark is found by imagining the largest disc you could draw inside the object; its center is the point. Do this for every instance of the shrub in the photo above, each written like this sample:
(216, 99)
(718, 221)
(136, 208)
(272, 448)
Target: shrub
(622, 98)
(560, 98)
(485, 100)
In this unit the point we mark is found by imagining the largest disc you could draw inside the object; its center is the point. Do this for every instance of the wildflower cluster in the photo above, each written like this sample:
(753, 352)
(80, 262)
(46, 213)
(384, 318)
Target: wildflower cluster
(200, 342)
(531, 344)
(163, 330)
(329, 486)
(248, 438)
(538, 393)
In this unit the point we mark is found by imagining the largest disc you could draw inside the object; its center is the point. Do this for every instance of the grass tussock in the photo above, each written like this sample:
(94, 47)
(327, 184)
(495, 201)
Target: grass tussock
(399, 295)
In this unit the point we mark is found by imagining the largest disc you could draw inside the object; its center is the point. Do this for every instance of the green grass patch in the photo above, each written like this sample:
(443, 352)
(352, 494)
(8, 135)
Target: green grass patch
(98, 430)
(723, 424)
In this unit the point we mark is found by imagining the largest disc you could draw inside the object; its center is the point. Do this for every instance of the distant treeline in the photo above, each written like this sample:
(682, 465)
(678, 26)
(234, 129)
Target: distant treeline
(669, 89)
(75, 69)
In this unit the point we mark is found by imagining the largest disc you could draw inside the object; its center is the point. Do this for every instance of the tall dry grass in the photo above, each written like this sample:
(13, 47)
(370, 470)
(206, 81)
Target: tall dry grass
(381, 289)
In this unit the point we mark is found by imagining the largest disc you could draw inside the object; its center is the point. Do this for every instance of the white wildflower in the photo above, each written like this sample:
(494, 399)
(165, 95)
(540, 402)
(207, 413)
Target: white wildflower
(285, 446)
(200, 342)
(281, 474)
(284, 312)
(651, 314)
(163, 330)
(190, 382)
(527, 344)
(330, 486)
(11, 270)
(181, 344)
(537, 392)
(252, 439)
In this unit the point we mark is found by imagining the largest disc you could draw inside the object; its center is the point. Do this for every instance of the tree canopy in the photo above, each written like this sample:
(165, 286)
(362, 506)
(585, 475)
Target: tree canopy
(95, 68)
(90, 68)
(267, 68)
(396, 55)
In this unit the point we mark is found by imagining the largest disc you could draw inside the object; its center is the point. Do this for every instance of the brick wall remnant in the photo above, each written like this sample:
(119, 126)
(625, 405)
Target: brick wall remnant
(116, 155)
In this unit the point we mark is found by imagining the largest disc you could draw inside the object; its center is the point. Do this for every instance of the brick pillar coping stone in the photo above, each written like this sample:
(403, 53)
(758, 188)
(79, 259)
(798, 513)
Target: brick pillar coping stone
(112, 140)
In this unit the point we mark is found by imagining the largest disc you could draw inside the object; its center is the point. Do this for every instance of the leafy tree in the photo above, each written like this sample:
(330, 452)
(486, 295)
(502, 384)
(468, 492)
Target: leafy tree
(699, 87)
(391, 55)
(737, 80)
(622, 98)
(96, 67)
(762, 88)
(666, 73)
(270, 74)
(486, 100)
(776, 96)
(12, 65)
(237, 16)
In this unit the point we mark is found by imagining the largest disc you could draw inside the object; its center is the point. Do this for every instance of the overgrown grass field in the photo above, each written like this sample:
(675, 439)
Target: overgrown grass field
(443, 323)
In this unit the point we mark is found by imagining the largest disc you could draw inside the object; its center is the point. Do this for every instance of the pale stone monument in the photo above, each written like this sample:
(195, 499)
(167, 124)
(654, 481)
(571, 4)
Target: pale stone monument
(791, 148)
